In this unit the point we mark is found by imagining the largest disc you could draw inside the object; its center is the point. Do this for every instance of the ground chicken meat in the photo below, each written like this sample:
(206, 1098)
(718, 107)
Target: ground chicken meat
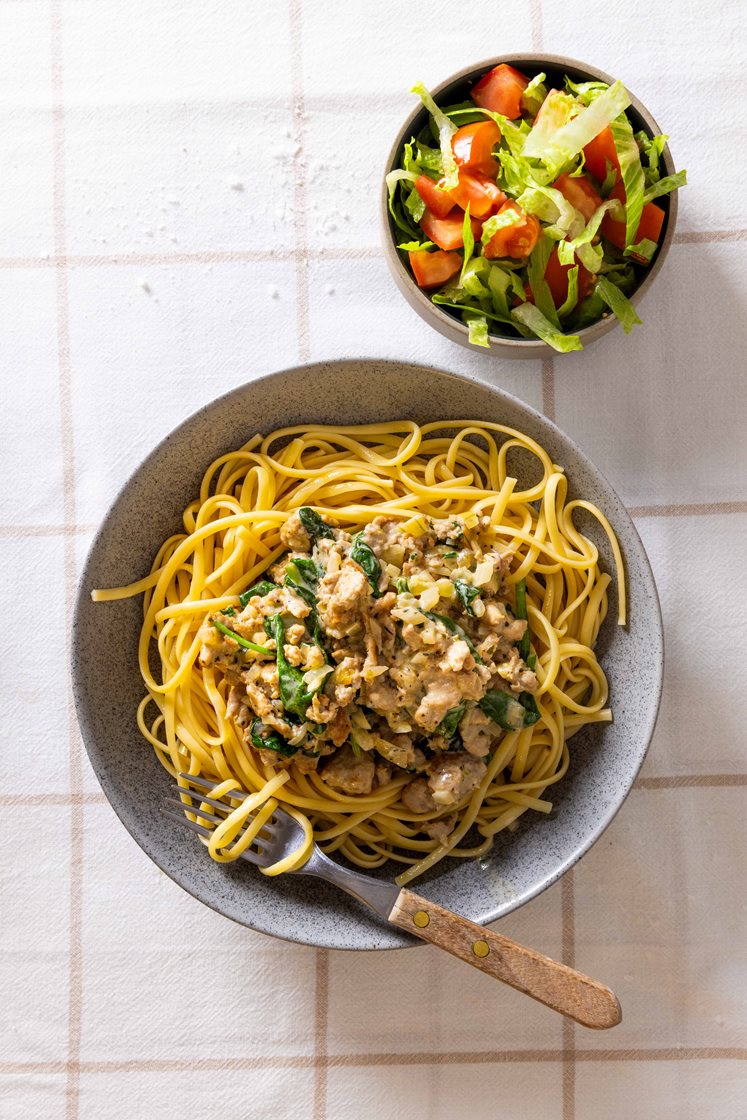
(451, 777)
(387, 663)
(349, 774)
(341, 598)
(293, 535)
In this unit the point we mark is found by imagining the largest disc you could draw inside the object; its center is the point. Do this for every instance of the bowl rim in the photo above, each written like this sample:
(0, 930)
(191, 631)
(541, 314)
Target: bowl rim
(97, 754)
(441, 320)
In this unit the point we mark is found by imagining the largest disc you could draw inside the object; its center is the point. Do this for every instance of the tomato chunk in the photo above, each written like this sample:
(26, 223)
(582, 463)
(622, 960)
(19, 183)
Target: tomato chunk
(447, 232)
(580, 192)
(473, 144)
(556, 275)
(433, 269)
(438, 201)
(478, 192)
(649, 227)
(516, 240)
(599, 152)
(500, 91)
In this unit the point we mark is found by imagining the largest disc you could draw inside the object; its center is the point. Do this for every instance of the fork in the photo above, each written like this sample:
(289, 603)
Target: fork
(556, 985)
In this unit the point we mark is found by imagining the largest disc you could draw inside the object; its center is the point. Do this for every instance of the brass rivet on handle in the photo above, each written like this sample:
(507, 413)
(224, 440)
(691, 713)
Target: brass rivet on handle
(421, 919)
(481, 948)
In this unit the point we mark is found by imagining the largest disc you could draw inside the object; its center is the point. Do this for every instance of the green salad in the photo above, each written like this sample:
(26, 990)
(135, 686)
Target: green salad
(529, 212)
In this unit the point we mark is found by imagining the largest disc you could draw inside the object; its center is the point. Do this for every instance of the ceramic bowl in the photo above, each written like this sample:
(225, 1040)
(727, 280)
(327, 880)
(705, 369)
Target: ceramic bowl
(457, 88)
(604, 758)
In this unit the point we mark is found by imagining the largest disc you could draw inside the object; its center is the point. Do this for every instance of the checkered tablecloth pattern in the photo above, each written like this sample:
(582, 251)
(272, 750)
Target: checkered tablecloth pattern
(188, 199)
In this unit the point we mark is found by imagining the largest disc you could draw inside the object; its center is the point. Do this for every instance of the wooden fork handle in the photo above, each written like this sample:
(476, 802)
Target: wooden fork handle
(556, 985)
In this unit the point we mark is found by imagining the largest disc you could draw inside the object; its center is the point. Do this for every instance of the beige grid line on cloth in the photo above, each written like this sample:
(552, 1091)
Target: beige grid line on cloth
(75, 973)
(568, 1053)
(321, 975)
(302, 255)
(379, 1058)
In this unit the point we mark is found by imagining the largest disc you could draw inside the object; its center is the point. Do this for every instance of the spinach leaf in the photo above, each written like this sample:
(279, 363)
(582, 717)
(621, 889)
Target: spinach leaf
(263, 738)
(310, 572)
(466, 593)
(521, 612)
(448, 725)
(243, 642)
(303, 576)
(510, 712)
(314, 525)
(365, 556)
(452, 627)
(264, 587)
(293, 692)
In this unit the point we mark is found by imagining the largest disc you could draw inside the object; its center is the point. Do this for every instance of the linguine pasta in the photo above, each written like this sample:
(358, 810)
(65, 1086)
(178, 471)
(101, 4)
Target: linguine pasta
(352, 475)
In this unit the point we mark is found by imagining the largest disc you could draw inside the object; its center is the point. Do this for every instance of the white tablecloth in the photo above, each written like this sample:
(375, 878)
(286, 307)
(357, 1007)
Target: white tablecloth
(188, 199)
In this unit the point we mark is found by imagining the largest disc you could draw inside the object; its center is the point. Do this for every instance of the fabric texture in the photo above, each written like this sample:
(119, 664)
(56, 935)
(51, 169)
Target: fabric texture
(189, 199)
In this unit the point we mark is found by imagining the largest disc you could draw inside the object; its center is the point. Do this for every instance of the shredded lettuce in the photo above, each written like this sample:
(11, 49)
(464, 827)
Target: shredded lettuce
(572, 298)
(652, 148)
(416, 246)
(632, 174)
(443, 300)
(469, 243)
(665, 186)
(543, 300)
(398, 215)
(565, 143)
(591, 256)
(473, 276)
(610, 178)
(477, 325)
(644, 249)
(533, 319)
(446, 129)
(550, 205)
(429, 159)
(499, 281)
(586, 92)
(558, 109)
(534, 95)
(618, 303)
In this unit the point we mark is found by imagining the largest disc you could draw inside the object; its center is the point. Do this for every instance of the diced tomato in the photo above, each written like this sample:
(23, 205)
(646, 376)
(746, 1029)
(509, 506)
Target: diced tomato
(478, 192)
(516, 240)
(496, 194)
(473, 144)
(599, 152)
(500, 91)
(433, 269)
(556, 275)
(447, 232)
(580, 192)
(649, 227)
(439, 202)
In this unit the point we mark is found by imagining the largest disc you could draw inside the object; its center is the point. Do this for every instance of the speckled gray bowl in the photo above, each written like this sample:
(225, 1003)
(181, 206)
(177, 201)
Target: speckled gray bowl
(457, 88)
(604, 758)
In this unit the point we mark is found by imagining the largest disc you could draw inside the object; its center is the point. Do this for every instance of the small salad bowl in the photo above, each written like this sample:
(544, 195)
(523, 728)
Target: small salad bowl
(457, 89)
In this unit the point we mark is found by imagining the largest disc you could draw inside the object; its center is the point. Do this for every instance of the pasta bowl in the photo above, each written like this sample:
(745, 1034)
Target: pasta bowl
(604, 757)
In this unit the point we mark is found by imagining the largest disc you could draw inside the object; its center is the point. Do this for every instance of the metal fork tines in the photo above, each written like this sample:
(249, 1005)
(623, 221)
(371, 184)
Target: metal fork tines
(269, 843)
(280, 836)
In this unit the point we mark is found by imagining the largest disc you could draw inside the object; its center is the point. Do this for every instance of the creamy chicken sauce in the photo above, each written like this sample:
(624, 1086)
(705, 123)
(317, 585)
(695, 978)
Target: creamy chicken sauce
(396, 651)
